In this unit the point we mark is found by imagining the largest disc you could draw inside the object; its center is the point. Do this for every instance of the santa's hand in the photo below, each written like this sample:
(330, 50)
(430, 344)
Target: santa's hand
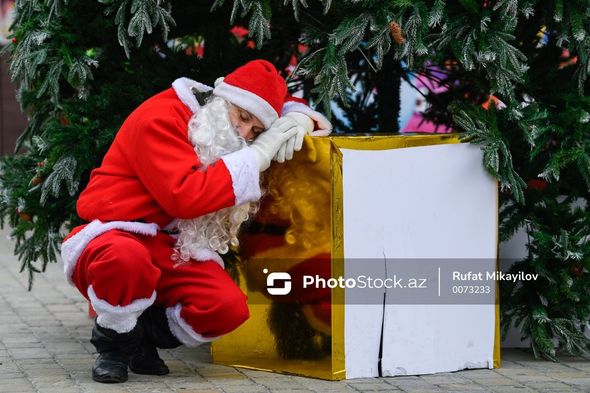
(303, 120)
(295, 142)
(267, 144)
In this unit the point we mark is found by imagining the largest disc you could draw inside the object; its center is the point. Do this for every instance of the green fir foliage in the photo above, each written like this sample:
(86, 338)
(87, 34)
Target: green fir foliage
(82, 66)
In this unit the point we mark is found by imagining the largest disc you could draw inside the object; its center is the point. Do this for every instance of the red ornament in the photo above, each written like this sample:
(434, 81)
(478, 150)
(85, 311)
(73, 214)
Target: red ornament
(23, 215)
(14, 40)
(493, 100)
(577, 269)
(63, 120)
(239, 31)
(538, 184)
(200, 50)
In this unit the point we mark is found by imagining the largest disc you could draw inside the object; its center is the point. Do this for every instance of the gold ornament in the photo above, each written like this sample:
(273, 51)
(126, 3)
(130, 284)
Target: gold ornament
(37, 180)
(24, 215)
(396, 33)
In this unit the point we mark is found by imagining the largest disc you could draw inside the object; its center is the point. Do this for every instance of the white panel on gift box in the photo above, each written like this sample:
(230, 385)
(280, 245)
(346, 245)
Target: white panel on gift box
(431, 202)
(364, 323)
(425, 339)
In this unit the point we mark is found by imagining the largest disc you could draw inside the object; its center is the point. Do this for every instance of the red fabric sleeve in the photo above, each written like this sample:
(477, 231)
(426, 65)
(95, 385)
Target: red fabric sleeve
(165, 162)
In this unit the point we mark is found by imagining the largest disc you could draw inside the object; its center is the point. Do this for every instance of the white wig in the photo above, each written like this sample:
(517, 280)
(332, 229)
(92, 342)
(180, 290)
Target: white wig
(212, 135)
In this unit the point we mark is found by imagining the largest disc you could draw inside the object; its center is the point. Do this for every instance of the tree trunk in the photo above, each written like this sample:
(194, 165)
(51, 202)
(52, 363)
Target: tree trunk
(388, 94)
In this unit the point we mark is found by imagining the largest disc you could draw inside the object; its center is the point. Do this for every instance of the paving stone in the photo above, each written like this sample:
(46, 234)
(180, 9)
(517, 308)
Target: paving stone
(29, 353)
(250, 389)
(582, 382)
(314, 383)
(464, 390)
(550, 386)
(10, 375)
(512, 389)
(94, 387)
(372, 387)
(18, 382)
(195, 386)
(70, 348)
(73, 389)
(461, 387)
(281, 385)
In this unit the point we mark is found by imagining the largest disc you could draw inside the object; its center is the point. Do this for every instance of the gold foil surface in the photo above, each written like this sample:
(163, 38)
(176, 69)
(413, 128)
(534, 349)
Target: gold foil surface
(292, 230)
(299, 228)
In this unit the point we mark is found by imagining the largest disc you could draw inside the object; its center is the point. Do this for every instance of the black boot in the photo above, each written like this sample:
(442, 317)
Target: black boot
(146, 360)
(114, 350)
(156, 335)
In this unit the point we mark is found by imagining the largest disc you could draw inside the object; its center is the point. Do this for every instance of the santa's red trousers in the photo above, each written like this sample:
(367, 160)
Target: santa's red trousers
(122, 272)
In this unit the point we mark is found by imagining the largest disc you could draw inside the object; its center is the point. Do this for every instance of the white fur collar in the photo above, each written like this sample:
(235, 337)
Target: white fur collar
(183, 86)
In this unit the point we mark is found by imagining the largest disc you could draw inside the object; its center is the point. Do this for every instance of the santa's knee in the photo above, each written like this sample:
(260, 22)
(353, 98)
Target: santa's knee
(222, 313)
(230, 311)
(123, 272)
(194, 324)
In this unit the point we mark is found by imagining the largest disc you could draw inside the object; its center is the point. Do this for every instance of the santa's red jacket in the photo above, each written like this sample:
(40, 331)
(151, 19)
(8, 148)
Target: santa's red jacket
(152, 175)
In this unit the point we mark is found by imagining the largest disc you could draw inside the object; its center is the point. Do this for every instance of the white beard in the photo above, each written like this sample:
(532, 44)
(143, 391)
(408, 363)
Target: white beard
(212, 135)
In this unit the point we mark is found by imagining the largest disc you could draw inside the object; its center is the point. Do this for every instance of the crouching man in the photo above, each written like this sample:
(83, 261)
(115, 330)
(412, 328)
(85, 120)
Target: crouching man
(180, 178)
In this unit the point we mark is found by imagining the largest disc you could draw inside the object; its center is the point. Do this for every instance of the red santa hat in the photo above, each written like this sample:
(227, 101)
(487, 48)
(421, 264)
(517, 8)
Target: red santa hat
(256, 87)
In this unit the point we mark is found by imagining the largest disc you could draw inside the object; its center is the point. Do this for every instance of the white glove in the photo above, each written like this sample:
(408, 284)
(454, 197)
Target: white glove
(295, 142)
(267, 144)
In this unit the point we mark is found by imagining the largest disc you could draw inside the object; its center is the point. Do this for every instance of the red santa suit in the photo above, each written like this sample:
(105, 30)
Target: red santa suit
(151, 176)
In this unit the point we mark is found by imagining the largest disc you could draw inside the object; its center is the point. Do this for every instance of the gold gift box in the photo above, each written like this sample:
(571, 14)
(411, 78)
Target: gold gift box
(300, 226)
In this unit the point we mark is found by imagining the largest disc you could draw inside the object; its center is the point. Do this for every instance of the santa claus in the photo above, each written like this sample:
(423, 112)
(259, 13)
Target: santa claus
(180, 178)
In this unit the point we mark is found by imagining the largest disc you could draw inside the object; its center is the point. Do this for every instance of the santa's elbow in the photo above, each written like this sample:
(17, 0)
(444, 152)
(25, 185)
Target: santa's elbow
(187, 211)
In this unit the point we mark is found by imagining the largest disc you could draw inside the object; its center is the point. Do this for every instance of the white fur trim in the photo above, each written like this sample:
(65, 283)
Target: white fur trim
(204, 254)
(183, 86)
(247, 100)
(121, 319)
(245, 175)
(72, 248)
(323, 123)
(182, 330)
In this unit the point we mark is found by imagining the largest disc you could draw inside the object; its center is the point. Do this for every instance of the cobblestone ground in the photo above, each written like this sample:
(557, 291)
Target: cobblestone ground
(44, 347)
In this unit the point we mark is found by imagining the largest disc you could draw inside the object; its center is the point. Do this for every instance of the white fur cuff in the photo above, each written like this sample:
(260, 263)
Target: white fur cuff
(121, 319)
(72, 248)
(245, 175)
(182, 330)
(323, 123)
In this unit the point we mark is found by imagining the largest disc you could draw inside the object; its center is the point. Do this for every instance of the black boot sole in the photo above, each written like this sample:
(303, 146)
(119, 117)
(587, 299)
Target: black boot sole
(108, 369)
(109, 378)
(145, 371)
